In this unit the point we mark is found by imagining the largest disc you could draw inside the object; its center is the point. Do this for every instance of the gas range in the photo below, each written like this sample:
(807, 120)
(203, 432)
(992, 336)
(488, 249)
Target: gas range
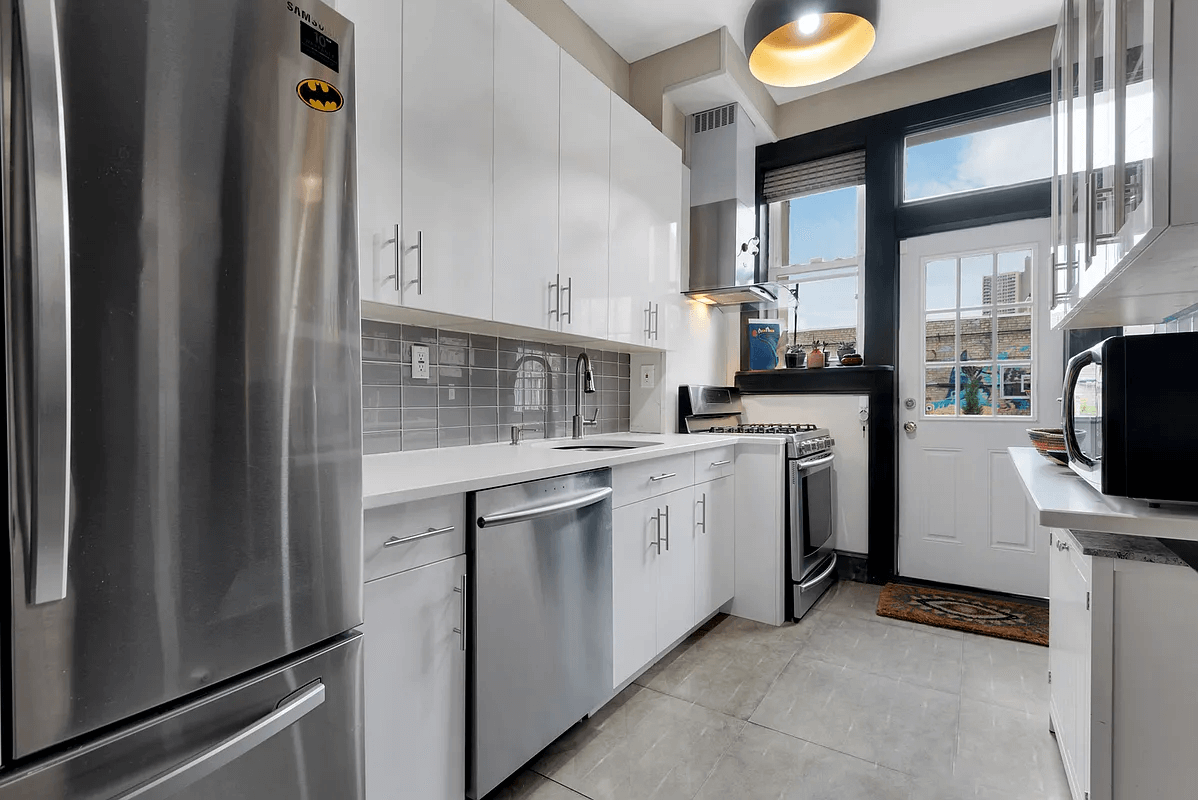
(714, 409)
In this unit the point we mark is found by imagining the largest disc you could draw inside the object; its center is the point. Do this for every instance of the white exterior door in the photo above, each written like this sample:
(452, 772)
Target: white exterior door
(978, 365)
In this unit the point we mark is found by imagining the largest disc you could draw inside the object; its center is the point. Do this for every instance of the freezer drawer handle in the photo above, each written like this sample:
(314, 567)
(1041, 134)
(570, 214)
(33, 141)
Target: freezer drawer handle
(396, 540)
(537, 512)
(49, 341)
(171, 783)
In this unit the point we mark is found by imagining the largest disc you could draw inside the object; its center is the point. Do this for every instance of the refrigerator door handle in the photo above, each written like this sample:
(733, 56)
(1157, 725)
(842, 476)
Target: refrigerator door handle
(174, 781)
(51, 304)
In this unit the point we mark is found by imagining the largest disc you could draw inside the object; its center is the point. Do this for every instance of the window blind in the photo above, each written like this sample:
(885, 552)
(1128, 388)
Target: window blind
(813, 177)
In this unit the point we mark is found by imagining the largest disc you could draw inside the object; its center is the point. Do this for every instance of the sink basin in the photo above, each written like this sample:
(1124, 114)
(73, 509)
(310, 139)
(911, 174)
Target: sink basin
(604, 447)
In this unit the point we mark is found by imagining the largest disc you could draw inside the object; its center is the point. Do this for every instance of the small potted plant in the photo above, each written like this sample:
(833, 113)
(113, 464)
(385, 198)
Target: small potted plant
(816, 358)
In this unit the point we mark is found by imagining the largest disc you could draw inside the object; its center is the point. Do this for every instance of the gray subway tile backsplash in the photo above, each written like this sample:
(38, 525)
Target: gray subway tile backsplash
(478, 387)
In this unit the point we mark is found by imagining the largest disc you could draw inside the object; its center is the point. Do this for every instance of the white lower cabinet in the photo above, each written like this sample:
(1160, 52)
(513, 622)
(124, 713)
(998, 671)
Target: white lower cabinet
(1069, 657)
(1123, 661)
(416, 684)
(715, 545)
(653, 578)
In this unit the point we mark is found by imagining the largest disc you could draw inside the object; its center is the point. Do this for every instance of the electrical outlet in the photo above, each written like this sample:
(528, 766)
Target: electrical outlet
(648, 376)
(420, 362)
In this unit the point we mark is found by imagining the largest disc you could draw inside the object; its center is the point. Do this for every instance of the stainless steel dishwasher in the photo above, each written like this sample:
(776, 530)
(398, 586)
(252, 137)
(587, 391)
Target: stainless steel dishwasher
(542, 609)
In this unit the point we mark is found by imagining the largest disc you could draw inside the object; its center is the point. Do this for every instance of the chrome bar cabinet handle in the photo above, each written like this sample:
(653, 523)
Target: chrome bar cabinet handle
(395, 540)
(667, 529)
(461, 630)
(419, 262)
(555, 288)
(568, 290)
(723, 463)
(665, 476)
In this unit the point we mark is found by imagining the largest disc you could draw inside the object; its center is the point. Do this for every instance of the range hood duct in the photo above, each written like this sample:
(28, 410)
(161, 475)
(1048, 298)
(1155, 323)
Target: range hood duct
(723, 224)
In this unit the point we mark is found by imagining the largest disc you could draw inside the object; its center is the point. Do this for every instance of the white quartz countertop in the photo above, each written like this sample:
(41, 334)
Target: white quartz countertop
(1063, 500)
(394, 478)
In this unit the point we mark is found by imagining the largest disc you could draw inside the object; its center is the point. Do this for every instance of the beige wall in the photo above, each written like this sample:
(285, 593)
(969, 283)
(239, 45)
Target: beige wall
(973, 69)
(577, 38)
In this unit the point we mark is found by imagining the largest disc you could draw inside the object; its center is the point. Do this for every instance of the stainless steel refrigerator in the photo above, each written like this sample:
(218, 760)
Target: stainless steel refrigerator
(182, 343)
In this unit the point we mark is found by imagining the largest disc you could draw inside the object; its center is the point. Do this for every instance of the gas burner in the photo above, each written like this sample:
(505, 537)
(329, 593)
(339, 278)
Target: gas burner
(770, 429)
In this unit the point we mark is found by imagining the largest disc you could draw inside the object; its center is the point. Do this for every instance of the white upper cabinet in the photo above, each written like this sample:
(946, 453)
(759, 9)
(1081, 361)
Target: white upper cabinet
(1125, 191)
(448, 133)
(585, 187)
(645, 263)
(527, 154)
(378, 106)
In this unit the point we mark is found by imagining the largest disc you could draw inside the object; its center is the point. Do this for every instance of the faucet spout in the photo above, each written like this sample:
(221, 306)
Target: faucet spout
(584, 380)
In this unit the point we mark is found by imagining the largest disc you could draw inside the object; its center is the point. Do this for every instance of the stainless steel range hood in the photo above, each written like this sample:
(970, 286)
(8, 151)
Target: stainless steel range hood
(723, 241)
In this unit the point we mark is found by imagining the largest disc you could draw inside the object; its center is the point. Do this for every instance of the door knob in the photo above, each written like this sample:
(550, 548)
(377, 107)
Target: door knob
(910, 427)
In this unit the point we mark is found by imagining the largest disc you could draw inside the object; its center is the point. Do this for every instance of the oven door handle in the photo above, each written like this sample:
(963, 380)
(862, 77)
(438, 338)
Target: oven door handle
(819, 462)
(805, 585)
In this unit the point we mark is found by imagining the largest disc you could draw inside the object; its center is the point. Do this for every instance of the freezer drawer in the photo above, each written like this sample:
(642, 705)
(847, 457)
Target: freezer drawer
(294, 732)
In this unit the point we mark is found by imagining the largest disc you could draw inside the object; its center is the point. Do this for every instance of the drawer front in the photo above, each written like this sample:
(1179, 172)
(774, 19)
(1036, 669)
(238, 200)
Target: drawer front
(411, 535)
(717, 462)
(632, 483)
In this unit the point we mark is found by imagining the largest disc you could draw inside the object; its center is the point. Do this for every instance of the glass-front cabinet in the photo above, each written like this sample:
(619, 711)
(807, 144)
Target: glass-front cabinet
(1123, 245)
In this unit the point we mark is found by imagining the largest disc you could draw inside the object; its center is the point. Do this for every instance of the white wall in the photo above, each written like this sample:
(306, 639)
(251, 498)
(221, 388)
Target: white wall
(839, 414)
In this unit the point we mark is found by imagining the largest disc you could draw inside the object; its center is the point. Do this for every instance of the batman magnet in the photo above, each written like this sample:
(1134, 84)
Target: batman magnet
(320, 95)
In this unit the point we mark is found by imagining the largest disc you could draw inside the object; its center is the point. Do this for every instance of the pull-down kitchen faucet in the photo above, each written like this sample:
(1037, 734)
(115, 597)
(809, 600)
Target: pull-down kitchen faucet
(584, 384)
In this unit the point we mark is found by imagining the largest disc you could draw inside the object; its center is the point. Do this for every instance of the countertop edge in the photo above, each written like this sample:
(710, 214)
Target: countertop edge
(1064, 500)
(591, 461)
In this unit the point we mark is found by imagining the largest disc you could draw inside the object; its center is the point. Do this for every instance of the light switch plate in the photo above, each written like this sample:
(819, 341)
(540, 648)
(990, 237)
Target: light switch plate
(648, 376)
(420, 362)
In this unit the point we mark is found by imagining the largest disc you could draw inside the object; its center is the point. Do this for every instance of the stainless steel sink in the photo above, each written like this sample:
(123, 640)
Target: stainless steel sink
(604, 447)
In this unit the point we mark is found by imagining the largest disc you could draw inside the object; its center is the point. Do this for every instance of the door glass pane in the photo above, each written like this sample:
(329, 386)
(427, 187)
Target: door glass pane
(1080, 135)
(940, 337)
(940, 391)
(1102, 85)
(977, 335)
(1014, 282)
(941, 284)
(1015, 333)
(1087, 410)
(977, 273)
(975, 384)
(1015, 396)
(977, 357)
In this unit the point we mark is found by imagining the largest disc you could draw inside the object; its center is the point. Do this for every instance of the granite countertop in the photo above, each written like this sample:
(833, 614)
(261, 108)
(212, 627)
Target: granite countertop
(1064, 500)
(1126, 548)
(395, 478)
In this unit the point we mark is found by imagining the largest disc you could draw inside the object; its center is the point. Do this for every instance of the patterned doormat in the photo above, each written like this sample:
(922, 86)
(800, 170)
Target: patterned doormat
(987, 616)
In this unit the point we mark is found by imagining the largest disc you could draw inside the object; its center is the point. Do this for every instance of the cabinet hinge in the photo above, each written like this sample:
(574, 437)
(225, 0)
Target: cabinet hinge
(1050, 676)
(1087, 601)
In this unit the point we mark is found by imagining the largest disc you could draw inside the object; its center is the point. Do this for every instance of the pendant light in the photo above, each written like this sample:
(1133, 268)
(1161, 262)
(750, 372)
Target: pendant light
(802, 42)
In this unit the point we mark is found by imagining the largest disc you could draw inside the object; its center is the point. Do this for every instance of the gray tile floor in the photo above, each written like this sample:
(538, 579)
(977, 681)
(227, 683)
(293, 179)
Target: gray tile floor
(844, 705)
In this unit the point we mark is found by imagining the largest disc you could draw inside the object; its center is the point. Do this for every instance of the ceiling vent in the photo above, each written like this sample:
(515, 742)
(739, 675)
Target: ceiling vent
(715, 118)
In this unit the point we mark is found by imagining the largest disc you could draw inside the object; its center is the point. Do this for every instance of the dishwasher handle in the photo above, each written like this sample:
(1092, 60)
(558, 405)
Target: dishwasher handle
(548, 510)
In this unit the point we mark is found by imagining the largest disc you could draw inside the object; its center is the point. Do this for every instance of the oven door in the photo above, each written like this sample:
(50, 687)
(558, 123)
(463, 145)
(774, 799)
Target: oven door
(812, 520)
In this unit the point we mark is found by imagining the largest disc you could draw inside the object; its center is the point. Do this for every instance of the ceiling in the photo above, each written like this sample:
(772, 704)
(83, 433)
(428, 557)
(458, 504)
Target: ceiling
(909, 31)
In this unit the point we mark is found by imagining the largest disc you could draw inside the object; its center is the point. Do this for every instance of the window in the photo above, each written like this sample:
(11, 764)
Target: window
(978, 313)
(817, 248)
(1001, 150)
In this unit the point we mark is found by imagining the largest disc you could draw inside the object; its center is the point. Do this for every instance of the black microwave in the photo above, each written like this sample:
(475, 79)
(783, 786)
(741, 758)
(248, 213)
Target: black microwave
(1131, 416)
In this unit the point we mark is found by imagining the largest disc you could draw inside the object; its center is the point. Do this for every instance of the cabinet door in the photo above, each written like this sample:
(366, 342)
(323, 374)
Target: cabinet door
(448, 124)
(630, 225)
(1069, 660)
(379, 110)
(1062, 220)
(1102, 206)
(715, 545)
(416, 684)
(1137, 118)
(634, 575)
(527, 91)
(676, 586)
(663, 191)
(585, 191)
